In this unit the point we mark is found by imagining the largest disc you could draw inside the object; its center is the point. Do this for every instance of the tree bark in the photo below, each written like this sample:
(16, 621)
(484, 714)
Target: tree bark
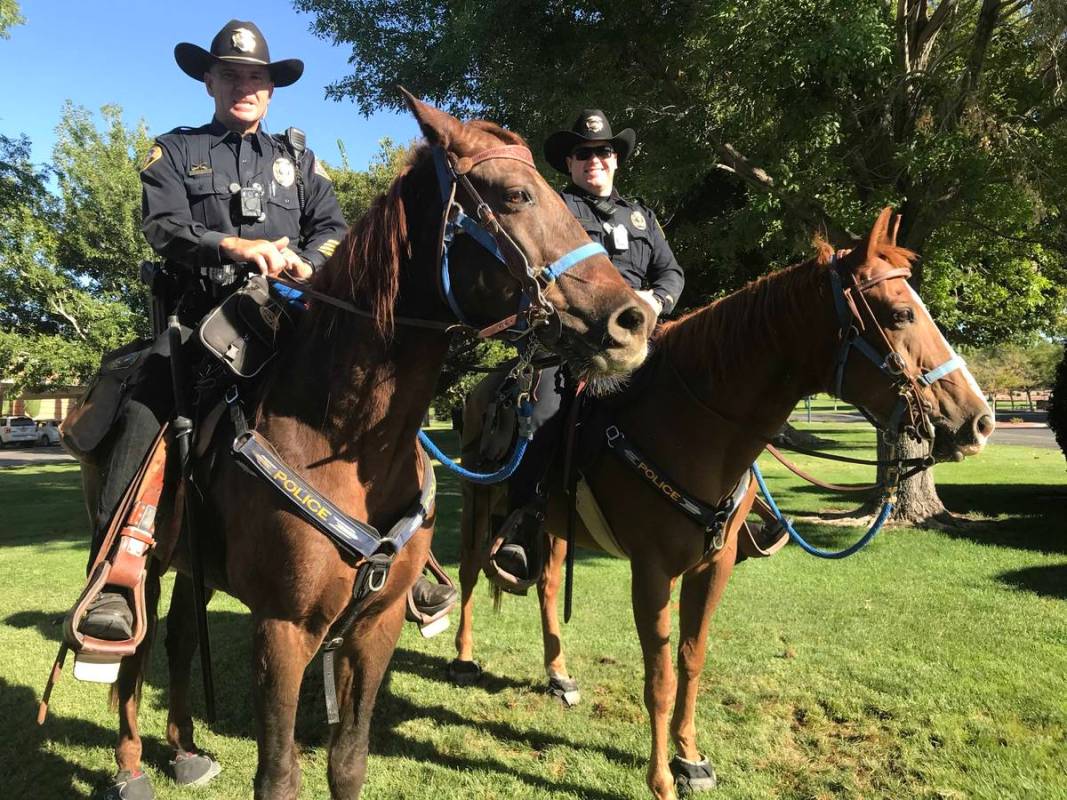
(917, 499)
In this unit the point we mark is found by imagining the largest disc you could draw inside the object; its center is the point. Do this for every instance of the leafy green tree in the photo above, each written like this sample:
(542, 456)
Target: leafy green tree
(10, 16)
(357, 189)
(1057, 412)
(762, 122)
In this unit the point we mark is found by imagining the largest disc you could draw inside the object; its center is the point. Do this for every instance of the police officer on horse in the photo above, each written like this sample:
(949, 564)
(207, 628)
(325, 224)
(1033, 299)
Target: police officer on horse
(589, 153)
(219, 201)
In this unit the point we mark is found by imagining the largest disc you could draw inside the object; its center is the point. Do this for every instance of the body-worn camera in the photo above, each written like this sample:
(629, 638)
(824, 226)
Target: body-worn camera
(248, 204)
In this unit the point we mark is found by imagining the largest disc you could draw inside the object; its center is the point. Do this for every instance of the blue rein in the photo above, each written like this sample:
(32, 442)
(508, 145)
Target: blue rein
(883, 515)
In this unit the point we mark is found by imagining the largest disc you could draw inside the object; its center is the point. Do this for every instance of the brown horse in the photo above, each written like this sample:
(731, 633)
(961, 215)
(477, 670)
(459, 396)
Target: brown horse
(720, 381)
(343, 407)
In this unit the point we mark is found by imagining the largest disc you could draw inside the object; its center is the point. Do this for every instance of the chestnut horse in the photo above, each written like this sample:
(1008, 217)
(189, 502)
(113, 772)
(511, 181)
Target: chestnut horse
(721, 381)
(343, 406)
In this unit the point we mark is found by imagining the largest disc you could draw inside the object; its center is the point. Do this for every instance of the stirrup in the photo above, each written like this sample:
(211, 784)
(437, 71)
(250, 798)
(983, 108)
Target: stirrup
(509, 534)
(432, 624)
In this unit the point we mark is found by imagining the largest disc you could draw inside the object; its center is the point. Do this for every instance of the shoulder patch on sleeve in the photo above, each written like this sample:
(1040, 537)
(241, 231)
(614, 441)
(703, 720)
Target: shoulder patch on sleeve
(153, 156)
(321, 170)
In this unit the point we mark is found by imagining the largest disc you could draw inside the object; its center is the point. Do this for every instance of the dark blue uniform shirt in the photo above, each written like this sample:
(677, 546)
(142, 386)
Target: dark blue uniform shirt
(190, 181)
(646, 260)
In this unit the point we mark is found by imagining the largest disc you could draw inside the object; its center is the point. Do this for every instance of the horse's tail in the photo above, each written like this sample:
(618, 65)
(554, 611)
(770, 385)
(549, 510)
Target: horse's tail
(498, 596)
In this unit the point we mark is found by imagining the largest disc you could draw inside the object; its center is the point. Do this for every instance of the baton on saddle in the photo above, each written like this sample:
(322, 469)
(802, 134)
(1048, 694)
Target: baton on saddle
(183, 431)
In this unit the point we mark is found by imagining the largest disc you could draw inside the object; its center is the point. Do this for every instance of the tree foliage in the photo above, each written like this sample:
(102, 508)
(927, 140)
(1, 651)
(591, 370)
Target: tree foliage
(762, 122)
(66, 294)
(356, 189)
(10, 16)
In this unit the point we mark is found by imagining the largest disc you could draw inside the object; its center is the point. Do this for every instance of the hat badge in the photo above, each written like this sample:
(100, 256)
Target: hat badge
(243, 40)
(594, 124)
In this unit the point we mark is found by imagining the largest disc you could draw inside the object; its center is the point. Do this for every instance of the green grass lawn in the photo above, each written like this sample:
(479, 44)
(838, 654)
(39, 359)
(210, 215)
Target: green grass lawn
(930, 665)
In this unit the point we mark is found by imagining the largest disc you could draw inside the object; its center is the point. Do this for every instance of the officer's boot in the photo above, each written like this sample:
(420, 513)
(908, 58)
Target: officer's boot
(431, 598)
(516, 557)
(109, 615)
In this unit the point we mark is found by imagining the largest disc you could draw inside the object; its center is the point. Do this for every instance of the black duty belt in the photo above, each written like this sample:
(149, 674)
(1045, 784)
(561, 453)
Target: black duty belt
(711, 518)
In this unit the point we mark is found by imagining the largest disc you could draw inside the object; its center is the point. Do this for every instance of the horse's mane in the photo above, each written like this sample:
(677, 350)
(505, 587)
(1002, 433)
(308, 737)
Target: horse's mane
(760, 317)
(366, 267)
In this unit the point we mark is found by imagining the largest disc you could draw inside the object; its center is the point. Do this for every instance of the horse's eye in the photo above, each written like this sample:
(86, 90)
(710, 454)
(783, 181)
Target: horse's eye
(903, 316)
(517, 197)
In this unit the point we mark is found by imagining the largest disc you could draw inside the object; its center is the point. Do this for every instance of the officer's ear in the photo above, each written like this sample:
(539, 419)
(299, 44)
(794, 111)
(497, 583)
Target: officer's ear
(439, 127)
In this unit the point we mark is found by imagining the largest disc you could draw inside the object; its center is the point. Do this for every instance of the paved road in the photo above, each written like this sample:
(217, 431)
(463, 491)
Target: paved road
(24, 456)
(1031, 434)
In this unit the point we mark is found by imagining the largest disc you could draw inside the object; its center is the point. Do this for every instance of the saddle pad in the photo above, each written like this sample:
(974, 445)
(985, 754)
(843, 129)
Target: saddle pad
(594, 520)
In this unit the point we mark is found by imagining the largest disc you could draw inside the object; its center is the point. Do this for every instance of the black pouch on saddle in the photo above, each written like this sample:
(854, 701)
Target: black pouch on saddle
(120, 370)
(247, 329)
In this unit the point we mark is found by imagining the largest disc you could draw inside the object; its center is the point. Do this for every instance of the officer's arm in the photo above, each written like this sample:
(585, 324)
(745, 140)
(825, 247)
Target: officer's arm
(322, 225)
(665, 276)
(166, 220)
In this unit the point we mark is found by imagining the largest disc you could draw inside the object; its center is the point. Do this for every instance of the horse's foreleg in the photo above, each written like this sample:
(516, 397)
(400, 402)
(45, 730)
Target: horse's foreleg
(181, 646)
(701, 591)
(548, 591)
(651, 594)
(126, 692)
(361, 665)
(280, 651)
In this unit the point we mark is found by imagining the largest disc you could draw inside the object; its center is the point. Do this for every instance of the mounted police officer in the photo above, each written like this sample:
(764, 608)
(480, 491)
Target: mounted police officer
(589, 153)
(218, 201)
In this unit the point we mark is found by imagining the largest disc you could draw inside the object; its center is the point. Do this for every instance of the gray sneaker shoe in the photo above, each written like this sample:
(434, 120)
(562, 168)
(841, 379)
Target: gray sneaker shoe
(126, 786)
(194, 769)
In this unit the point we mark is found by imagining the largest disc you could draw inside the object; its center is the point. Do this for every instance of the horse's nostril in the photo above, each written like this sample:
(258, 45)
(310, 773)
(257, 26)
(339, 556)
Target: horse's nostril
(632, 318)
(984, 425)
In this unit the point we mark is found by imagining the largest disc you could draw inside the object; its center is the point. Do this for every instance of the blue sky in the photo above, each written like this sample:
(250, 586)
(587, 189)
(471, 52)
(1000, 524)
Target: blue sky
(95, 52)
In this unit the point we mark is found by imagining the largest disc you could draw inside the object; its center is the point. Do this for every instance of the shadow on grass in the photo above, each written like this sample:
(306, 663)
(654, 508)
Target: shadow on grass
(30, 769)
(1028, 517)
(1047, 581)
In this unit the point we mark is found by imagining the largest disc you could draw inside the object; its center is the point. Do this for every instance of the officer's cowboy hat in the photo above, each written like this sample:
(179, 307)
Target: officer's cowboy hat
(239, 42)
(590, 126)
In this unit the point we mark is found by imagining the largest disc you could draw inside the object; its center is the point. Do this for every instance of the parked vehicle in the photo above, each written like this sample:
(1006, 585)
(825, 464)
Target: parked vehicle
(17, 430)
(48, 432)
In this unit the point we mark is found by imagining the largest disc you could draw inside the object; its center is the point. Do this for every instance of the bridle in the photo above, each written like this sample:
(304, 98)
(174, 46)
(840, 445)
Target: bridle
(911, 413)
(534, 310)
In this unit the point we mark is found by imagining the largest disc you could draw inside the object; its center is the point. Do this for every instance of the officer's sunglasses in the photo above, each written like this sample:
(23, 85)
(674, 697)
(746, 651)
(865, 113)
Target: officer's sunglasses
(604, 151)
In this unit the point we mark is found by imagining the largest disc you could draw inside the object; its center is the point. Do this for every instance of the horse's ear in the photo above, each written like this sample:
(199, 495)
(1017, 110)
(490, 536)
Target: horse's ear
(879, 232)
(895, 230)
(439, 127)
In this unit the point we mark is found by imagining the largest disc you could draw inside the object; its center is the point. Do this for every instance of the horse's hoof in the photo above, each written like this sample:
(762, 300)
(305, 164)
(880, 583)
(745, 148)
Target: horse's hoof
(566, 689)
(464, 673)
(693, 776)
(194, 769)
(127, 786)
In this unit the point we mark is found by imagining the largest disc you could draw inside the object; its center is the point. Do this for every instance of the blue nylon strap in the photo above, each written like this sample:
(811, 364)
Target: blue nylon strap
(575, 256)
(483, 478)
(844, 316)
(887, 507)
(937, 373)
(480, 234)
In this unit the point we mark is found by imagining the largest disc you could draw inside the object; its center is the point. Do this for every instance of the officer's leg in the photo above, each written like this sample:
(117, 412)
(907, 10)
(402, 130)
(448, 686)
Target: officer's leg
(109, 616)
(520, 555)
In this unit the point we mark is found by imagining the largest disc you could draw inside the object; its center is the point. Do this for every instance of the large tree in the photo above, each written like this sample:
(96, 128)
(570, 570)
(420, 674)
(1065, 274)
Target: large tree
(68, 263)
(765, 121)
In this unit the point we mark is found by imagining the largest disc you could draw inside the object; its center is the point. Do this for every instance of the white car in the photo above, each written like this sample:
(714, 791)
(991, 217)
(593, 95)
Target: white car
(17, 430)
(48, 433)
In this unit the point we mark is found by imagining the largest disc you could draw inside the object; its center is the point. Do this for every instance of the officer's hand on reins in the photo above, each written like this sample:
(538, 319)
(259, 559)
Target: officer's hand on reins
(271, 258)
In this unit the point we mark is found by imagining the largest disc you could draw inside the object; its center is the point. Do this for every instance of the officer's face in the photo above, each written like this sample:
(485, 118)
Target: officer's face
(242, 93)
(592, 169)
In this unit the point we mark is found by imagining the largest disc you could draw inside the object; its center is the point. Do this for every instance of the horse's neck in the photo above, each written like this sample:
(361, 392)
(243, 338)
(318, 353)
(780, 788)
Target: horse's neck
(345, 395)
(711, 403)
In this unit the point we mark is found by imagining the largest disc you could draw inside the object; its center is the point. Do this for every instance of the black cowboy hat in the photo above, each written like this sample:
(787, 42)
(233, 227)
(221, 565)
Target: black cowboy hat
(590, 126)
(239, 42)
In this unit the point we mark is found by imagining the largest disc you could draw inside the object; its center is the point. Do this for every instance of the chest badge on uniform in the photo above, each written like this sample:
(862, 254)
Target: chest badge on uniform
(199, 169)
(637, 219)
(284, 173)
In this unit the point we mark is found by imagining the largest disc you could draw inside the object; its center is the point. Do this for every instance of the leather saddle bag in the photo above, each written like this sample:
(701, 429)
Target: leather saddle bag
(248, 328)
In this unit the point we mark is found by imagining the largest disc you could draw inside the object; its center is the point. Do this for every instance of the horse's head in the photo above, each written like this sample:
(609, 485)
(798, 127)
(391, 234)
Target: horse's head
(529, 252)
(899, 367)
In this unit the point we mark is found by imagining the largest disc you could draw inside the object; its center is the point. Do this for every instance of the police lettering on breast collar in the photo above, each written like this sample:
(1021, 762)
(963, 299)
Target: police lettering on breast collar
(589, 153)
